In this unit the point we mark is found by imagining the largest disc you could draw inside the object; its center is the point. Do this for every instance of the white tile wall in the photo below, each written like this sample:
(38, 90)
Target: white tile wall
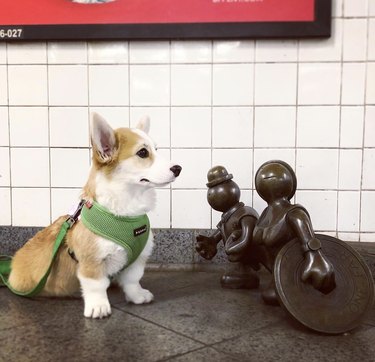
(3, 85)
(68, 85)
(27, 85)
(282, 122)
(355, 8)
(323, 51)
(319, 83)
(67, 53)
(352, 121)
(353, 83)
(161, 215)
(62, 122)
(371, 40)
(108, 85)
(276, 51)
(35, 53)
(150, 85)
(63, 200)
(191, 127)
(238, 162)
(31, 206)
(371, 7)
(238, 103)
(322, 207)
(191, 52)
(232, 84)
(370, 127)
(355, 39)
(191, 84)
(69, 167)
(370, 86)
(110, 52)
(234, 51)
(318, 126)
(4, 167)
(4, 127)
(3, 53)
(240, 132)
(30, 167)
(28, 126)
(276, 84)
(5, 210)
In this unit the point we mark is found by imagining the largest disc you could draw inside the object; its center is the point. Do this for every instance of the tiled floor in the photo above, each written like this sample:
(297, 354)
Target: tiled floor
(191, 319)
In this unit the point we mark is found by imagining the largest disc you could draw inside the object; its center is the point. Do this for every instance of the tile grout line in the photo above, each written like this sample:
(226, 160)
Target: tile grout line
(339, 133)
(9, 137)
(170, 132)
(49, 135)
(254, 124)
(158, 325)
(297, 113)
(364, 128)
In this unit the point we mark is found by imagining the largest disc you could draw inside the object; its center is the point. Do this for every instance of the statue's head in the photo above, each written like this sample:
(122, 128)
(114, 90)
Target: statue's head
(222, 193)
(275, 180)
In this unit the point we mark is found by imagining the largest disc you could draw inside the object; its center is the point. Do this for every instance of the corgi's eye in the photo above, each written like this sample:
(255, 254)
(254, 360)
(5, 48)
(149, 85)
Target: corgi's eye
(143, 153)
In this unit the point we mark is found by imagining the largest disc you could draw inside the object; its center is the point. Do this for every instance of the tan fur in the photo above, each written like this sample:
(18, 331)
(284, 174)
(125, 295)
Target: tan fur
(32, 260)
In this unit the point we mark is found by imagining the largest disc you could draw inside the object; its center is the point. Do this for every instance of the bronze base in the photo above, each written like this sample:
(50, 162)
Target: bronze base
(269, 295)
(240, 281)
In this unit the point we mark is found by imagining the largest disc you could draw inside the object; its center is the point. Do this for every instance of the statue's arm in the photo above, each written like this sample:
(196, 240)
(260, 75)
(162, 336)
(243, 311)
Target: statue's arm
(316, 269)
(300, 222)
(239, 241)
(206, 246)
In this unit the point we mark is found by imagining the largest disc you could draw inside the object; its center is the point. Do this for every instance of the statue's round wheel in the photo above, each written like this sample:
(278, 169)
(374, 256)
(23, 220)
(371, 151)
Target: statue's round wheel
(339, 311)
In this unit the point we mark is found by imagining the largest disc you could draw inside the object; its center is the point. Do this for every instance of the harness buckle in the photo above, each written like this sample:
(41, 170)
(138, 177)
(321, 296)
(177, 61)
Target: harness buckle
(71, 220)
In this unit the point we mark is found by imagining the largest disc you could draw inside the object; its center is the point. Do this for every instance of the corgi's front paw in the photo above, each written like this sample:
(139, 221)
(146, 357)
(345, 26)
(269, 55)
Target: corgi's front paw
(139, 296)
(97, 309)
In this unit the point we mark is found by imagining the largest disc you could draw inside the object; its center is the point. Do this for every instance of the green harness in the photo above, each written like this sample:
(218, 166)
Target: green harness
(131, 233)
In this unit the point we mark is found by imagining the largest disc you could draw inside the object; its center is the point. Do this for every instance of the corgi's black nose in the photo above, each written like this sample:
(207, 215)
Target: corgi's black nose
(176, 169)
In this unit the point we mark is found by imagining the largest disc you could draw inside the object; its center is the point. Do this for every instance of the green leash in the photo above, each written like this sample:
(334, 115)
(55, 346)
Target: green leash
(5, 265)
(5, 261)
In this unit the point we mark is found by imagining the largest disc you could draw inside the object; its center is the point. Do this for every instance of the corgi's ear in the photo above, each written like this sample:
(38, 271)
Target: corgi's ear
(102, 138)
(144, 124)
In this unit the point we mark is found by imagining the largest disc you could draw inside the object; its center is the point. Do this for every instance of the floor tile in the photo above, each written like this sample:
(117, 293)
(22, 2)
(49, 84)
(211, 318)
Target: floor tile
(205, 354)
(284, 343)
(191, 319)
(206, 312)
(60, 332)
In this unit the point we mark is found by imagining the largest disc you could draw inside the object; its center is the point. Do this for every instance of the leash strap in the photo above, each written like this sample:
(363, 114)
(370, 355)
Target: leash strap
(5, 261)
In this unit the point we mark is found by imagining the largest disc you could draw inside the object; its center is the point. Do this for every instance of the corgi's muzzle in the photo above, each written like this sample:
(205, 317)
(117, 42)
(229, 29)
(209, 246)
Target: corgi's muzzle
(176, 170)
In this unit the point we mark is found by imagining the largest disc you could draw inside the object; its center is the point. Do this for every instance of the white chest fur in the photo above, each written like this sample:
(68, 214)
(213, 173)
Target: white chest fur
(114, 256)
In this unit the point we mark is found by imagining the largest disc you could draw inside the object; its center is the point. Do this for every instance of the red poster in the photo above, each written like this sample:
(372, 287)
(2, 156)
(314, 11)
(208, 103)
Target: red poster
(137, 14)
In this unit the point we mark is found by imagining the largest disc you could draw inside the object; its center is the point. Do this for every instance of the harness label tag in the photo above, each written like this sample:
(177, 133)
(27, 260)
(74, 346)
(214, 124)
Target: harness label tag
(141, 230)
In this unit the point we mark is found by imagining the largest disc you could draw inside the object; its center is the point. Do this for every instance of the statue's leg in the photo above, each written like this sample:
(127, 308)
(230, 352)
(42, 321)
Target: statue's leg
(269, 295)
(239, 275)
(267, 259)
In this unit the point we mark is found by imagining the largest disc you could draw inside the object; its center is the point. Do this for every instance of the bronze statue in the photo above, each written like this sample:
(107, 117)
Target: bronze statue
(281, 222)
(320, 280)
(235, 229)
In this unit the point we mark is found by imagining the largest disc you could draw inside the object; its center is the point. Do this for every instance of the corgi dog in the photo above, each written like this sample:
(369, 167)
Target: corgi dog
(125, 170)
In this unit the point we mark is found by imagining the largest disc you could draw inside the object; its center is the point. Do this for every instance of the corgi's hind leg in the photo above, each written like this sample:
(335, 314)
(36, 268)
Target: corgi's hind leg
(129, 281)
